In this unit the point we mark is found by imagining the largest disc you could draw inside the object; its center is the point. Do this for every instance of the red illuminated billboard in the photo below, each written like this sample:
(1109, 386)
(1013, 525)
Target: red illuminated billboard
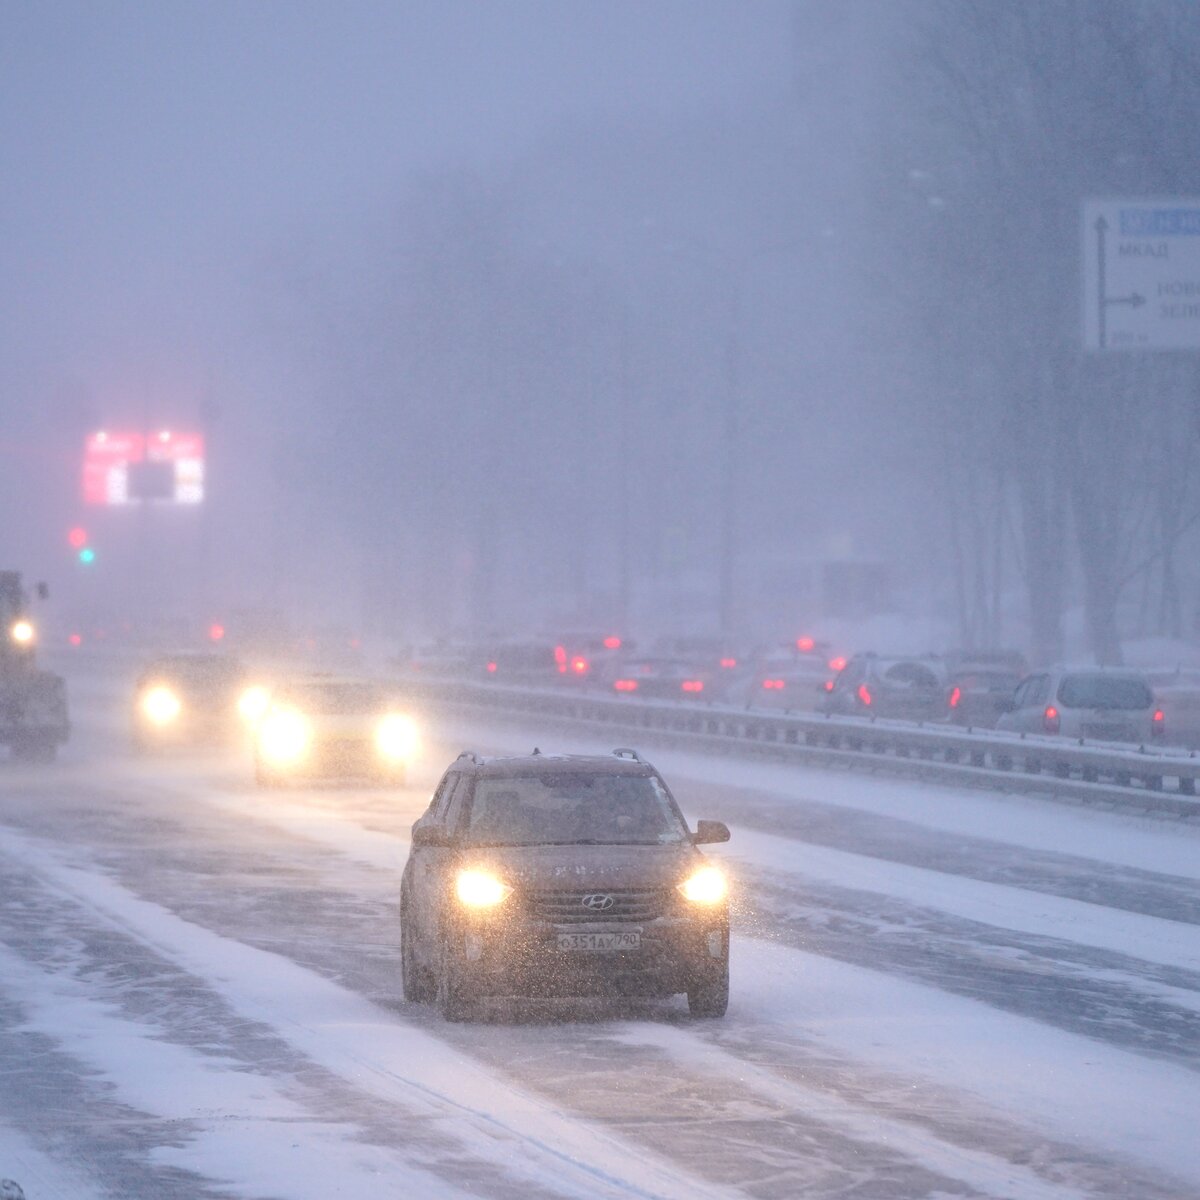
(130, 468)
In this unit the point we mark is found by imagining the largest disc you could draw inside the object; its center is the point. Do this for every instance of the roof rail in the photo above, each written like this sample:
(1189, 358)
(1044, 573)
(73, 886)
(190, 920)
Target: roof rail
(469, 754)
(627, 752)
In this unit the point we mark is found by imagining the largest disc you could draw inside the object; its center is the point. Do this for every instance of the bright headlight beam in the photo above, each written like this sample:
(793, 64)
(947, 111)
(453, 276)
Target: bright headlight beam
(252, 704)
(22, 632)
(707, 886)
(160, 705)
(480, 889)
(284, 736)
(396, 736)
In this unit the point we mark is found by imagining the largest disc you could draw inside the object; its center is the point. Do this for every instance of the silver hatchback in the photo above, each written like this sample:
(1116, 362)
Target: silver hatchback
(1097, 703)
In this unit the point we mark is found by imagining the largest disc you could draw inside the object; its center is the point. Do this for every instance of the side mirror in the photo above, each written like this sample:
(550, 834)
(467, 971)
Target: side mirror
(431, 835)
(708, 832)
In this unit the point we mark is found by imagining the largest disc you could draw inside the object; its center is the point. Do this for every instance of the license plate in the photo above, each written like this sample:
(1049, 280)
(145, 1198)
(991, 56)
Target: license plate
(609, 940)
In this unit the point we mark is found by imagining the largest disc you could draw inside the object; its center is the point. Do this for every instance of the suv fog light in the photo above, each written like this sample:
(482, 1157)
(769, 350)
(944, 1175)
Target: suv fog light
(716, 943)
(473, 947)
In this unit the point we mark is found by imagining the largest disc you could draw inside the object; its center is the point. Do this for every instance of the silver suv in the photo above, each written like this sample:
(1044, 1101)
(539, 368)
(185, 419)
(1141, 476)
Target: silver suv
(1089, 702)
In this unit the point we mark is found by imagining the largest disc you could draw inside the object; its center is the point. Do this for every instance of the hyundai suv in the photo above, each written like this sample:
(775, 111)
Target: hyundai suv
(569, 876)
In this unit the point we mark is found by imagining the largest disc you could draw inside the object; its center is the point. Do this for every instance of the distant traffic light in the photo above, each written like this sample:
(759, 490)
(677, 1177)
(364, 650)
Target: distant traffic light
(87, 556)
(216, 631)
(77, 538)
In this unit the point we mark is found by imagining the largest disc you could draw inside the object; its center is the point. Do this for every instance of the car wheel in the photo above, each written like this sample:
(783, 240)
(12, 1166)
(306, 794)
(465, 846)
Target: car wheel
(453, 1000)
(709, 997)
(416, 984)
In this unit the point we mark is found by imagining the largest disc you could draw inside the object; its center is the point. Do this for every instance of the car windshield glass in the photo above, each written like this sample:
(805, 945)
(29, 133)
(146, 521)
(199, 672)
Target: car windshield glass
(340, 698)
(575, 808)
(1104, 691)
(198, 672)
(913, 675)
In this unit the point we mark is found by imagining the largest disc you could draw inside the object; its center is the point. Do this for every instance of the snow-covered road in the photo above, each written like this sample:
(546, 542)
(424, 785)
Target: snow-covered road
(936, 993)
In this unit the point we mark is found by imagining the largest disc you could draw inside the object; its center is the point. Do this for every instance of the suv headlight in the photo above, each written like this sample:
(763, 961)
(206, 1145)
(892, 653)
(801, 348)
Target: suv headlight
(708, 885)
(396, 736)
(284, 736)
(22, 632)
(160, 705)
(480, 889)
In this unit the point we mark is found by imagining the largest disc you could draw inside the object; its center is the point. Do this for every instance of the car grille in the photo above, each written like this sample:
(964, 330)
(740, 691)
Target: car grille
(564, 908)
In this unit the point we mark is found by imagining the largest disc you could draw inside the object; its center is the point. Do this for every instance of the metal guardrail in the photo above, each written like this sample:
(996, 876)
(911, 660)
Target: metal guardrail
(1145, 779)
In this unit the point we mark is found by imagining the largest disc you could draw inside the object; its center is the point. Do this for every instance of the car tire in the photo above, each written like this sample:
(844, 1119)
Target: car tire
(453, 1000)
(709, 998)
(415, 982)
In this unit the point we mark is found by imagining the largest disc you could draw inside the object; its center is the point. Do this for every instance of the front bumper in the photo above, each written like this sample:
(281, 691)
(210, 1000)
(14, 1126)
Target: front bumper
(339, 758)
(522, 957)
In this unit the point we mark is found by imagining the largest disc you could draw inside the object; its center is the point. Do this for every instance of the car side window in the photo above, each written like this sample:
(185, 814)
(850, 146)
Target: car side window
(455, 803)
(1021, 695)
(1039, 687)
(437, 806)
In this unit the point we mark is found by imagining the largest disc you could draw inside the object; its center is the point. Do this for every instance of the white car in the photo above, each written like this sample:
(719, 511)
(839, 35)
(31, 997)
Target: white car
(333, 728)
(1102, 704)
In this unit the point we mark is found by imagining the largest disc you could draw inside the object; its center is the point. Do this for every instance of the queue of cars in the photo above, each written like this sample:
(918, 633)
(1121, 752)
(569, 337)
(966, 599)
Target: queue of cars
(529, 876)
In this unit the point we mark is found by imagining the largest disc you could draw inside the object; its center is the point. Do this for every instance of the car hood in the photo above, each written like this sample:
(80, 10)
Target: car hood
(590, 868)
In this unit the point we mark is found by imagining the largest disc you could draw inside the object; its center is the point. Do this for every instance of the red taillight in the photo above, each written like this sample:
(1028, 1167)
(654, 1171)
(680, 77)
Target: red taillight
(1158, 723)
(864, 694)
(216, 631)
(612, 643)
(828, 685)
(729, 663)
(560, 658)
(692, 685)
(625, 685)
(1050, 719)
(773, 685)
(491, 668)
(805, 645)
(837, 664)
(76, 639)
(955, 697)
(579, 665)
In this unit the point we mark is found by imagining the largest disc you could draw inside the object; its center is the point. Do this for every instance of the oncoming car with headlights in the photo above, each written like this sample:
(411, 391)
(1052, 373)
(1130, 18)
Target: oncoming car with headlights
(333, 728)
(566, 876)
(193, 698)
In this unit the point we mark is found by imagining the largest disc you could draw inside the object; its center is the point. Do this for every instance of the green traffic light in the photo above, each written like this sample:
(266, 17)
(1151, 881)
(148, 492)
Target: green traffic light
(87, 555)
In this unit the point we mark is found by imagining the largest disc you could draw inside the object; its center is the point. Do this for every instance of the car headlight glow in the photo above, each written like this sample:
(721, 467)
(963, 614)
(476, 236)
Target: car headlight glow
(160, 705)
(22, 632)
(707, 886)
(480, 889)
(396, 736)
(284, 736)
(252, 704)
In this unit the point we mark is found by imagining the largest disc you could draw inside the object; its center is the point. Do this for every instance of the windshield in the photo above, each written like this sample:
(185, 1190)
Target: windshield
(573, 809)
(1104, 691)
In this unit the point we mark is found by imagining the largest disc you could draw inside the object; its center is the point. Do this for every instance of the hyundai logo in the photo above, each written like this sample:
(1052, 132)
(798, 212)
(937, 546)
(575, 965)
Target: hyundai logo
(598, 903)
